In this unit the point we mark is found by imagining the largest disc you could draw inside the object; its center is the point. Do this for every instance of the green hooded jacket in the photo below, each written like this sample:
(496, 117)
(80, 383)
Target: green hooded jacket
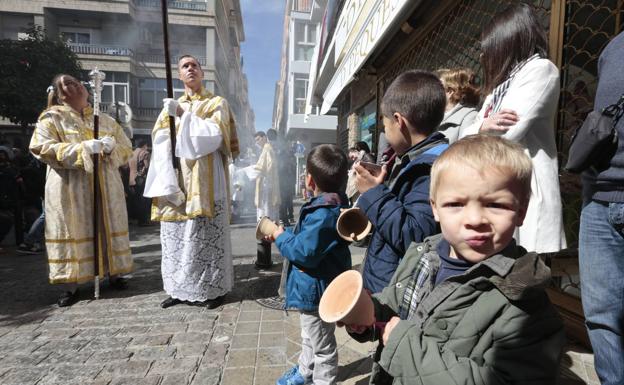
(494, 324)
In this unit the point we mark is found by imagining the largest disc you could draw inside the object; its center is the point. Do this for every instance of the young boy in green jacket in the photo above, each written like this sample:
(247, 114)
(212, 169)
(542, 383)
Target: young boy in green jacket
(468, 306)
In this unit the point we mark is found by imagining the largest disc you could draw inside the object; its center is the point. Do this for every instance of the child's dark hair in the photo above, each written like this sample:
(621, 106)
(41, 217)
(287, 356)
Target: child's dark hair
(328, 166)
(417, 95)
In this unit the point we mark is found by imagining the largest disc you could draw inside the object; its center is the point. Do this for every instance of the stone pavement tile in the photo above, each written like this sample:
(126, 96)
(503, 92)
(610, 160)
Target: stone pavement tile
(268, 375)
(17, 337)
(247, 327)
(247, 316)
(293, 332)
(245, 341)
(151, 340)
(187, 338)
(268, 340)
(73, 344)
(250, 305)
(271, 327)
(133, 331)
(134, 369)
(238, 376)
(173, 327)
(201, 326)
(107, 356)
(271, 356)
(97, 332)
(8, 347)
(22, 376)
(22, 360)
(143, 353)
(60, 357)
(223, 333)
(190, 350)
(168, 366)
(215, 355)
(292, 351)
(273, 315)
(103, 344)
(71, 373)
(241, 358)
(175, 379)
(149, 380)
(228, 315)
(207, 376)
(352, 364)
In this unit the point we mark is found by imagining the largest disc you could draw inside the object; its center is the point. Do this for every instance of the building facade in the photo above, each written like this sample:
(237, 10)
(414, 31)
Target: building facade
(124, 38)
(302, 30)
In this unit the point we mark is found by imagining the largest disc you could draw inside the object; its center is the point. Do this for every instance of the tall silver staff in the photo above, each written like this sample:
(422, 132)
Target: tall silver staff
(97, 77)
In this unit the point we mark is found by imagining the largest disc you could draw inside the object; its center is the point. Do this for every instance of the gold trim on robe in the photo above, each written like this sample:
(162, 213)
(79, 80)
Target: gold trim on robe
(57, 141)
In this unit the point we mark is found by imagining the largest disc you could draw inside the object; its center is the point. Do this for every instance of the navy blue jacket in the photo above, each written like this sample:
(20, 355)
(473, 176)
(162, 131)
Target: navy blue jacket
(400, 211)
(608, 185)
(316, 252)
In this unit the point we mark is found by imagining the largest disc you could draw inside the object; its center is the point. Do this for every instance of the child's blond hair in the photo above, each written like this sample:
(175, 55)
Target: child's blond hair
(485, 151)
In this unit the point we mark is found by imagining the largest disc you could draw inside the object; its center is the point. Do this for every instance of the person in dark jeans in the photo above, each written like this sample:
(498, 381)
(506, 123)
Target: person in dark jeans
(601, 234)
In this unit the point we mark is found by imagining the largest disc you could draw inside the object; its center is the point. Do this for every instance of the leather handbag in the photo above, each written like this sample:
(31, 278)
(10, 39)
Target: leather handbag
(594, 143)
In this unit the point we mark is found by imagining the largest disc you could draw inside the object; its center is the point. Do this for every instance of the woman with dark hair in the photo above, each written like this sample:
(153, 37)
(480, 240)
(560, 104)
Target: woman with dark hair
(522, 88)
(462, 98)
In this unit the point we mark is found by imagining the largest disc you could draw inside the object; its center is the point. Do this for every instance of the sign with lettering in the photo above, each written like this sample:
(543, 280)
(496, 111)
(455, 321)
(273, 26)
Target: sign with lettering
(382, 15)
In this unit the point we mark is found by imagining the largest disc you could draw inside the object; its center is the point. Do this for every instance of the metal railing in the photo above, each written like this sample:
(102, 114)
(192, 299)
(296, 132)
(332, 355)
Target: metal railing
(160, 58)
(145, 112)
(302, 5)
(189, 5)
(100, 49)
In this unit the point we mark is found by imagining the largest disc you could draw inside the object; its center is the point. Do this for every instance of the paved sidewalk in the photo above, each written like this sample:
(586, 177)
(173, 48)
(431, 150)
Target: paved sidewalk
(126, 338)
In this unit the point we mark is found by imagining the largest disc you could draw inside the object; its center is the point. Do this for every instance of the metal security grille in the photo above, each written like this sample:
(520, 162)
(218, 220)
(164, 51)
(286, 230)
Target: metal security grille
(587, 29)
(454, 41)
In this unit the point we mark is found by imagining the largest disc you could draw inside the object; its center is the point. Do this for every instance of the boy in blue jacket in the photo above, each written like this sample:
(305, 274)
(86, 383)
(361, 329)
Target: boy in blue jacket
(412, 107)
(317, 255)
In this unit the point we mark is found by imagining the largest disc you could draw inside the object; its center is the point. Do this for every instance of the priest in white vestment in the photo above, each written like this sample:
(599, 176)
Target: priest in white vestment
(193, 204)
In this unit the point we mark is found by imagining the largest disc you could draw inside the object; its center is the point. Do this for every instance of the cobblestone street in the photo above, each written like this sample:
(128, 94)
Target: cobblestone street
(126, 338)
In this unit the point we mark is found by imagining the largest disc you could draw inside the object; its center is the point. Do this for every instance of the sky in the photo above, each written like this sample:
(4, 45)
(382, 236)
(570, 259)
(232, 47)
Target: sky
(263, 21)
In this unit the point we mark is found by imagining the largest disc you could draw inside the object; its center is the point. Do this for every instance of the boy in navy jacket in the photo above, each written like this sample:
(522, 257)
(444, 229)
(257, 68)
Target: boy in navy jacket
(317, 255)
(412, 108)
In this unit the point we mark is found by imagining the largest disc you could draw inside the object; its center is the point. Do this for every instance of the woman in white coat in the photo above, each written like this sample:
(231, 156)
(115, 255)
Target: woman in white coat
(523, 91)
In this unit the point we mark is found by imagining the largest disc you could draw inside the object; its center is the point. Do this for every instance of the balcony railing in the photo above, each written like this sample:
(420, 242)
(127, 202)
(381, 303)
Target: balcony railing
(302, 5)
(189, 5)
(153, 58)
(98, 49)
(145, 112)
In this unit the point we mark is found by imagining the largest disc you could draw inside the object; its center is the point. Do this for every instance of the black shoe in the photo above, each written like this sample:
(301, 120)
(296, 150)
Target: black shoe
(214, 303)
(118, 283)
(68, 298)
(170, 302)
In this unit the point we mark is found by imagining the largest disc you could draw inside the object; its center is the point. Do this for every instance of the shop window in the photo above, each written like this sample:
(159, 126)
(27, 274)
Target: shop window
(305, 40)
(300, 90)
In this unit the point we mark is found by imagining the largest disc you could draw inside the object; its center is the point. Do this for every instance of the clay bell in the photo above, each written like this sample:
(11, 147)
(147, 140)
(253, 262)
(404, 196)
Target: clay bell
(265, 228)
(345, 300)
(353, 225)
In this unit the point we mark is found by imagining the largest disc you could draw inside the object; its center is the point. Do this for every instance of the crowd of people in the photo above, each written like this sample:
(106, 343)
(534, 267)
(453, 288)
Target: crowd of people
(464, 200)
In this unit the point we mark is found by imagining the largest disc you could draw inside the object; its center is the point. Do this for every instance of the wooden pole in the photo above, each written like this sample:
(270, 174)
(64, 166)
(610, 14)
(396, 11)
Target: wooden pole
(172, 129)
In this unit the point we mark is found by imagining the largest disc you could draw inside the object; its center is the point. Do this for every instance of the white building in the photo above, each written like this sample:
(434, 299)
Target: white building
(302, 29)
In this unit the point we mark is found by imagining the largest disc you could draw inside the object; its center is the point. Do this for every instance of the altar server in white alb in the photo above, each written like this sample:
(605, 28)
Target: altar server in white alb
(64, 139)
(193, 204)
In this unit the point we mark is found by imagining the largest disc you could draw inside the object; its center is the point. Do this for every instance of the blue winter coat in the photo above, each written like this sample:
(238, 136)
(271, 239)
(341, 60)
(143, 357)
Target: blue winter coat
(400, 211)
(315, 251)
